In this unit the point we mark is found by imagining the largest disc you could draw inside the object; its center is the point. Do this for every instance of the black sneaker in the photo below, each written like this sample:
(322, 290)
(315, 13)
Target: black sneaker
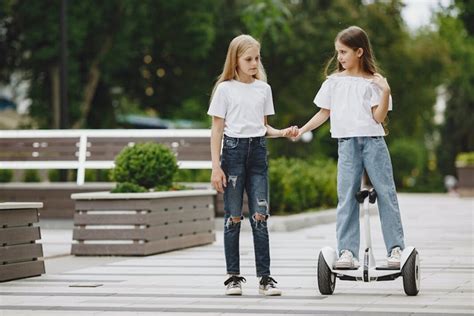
(267, 286)
(234, 286)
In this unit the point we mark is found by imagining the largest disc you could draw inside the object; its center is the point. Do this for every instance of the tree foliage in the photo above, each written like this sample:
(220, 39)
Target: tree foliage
(457, 135)
(109, 42)
(164, 57)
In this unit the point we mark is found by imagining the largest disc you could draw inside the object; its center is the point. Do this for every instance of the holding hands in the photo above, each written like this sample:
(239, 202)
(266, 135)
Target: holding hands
(218, 178)
(297, 137)
(291, 131)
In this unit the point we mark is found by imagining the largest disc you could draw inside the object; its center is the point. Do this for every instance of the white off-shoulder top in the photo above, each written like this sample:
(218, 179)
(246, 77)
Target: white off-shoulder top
(350, 100)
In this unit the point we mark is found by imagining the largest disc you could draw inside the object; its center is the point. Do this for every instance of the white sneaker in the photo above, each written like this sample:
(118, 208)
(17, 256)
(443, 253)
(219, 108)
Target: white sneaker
(394, 260)
(234, 285)
(267, 286)
(345, 261)
(356, 263)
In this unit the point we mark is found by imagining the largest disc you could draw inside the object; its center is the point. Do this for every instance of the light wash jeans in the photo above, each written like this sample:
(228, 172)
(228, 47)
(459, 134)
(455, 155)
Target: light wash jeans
(245, 164)
(371, 153)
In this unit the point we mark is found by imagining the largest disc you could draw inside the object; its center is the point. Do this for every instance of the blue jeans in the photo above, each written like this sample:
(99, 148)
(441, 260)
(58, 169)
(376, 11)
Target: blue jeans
(371, 153)
(244, 162)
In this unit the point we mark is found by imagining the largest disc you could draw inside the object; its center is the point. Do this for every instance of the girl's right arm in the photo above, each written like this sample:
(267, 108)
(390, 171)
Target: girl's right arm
(218, 178)
(317, 120)
(380, 111)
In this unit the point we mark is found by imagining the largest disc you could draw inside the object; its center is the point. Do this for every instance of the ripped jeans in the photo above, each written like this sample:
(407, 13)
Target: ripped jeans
(244, 162)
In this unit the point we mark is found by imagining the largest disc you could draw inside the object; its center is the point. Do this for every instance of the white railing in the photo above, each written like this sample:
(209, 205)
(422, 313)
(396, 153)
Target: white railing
(82, 135)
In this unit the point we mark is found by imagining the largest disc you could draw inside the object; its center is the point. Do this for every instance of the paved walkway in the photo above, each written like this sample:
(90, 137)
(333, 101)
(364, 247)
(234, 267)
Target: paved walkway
(189, 282)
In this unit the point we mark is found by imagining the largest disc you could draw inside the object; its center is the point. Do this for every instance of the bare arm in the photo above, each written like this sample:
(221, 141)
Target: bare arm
(218, 178)
(380, 111)
(317, 120)
(273, 132)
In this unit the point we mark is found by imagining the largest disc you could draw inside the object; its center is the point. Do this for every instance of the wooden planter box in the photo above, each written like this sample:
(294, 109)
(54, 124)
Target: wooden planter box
(142, 224)
(57, 202)
(466, 180)
(19, 253)
(56, 197)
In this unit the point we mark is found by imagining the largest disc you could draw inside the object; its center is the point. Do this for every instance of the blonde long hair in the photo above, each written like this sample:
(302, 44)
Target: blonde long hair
(237, 48)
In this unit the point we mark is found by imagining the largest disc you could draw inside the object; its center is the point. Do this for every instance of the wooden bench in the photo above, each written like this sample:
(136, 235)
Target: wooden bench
(82, 150)
(20, 255)
(96, 149)
(89, 149)
(56, 197)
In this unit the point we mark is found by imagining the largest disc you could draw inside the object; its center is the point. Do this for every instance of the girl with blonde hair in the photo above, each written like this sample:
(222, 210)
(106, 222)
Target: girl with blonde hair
(240, 103)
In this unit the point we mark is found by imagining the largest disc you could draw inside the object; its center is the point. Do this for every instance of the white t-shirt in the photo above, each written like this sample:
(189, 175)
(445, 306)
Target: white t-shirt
(350, 100)
(243, 106)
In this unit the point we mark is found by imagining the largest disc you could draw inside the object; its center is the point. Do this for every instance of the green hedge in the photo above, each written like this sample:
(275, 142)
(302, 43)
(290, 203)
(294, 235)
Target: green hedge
(408, 160)
(297, 185)
(91, 175)
(6, 175)
(193, 175)
(31, 175)
(144, 167)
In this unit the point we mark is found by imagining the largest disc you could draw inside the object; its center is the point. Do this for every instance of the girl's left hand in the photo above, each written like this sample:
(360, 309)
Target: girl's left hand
(290, 131)
(297, 137)
(381, 82)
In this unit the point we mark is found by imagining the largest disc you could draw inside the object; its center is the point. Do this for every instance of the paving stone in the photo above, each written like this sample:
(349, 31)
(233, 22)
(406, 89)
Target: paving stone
(190, 281)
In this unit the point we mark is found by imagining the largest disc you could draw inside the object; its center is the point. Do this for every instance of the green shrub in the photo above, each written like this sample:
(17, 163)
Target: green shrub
(31, 175)
(90, 175)
(178, 187)
(147, 165)
(104, 175)
(465, 159)
(6, 175)
(428, 181)
(125, 187)
(408, 160)
(297, 185)
(193, 175)
(325, 172)
(54, 175)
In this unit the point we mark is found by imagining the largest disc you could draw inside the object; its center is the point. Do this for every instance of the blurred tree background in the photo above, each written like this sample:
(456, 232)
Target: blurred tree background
(162, 58)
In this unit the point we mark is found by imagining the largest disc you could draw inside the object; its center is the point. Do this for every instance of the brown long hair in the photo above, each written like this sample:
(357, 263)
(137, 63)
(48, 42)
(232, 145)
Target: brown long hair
(237, 48)
(355, 38)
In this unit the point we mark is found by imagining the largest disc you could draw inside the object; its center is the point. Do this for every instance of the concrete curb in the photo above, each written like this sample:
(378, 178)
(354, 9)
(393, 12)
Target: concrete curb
(290, 223)
(294, 222)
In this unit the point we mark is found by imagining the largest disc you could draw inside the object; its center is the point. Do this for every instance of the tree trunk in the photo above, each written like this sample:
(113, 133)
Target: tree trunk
(94, 70)
(92, 82)
(55, 93)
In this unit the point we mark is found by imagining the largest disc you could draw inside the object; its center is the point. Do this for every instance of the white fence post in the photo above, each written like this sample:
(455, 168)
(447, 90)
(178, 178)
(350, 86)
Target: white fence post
(81, 168)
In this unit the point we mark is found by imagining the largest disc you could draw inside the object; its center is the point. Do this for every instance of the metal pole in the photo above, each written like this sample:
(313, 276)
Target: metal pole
(64, 120)
(64, 111)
